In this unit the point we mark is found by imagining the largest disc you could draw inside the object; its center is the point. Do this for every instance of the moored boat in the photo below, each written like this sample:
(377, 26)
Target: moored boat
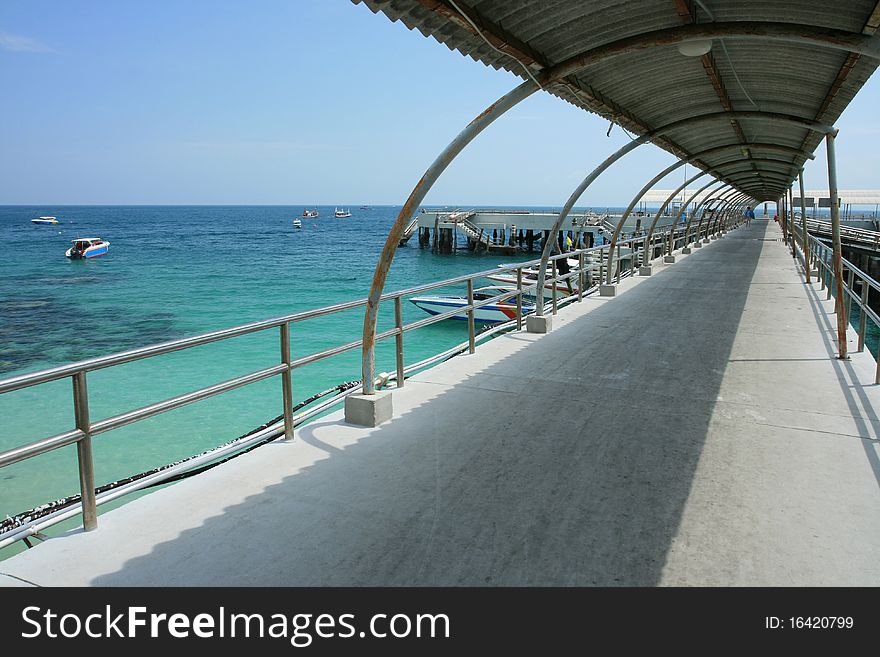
(45, 220)
(310, 214)
(530, 277)
(343, 213)
(87, 247)
(297, 223)
(493, 313)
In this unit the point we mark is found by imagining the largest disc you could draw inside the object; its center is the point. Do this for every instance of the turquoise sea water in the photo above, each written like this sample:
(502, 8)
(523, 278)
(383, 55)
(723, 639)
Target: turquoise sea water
(174, 272)
(179, 271)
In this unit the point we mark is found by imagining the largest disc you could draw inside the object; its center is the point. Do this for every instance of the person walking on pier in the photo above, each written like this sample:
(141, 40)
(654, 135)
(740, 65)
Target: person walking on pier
(562, 266)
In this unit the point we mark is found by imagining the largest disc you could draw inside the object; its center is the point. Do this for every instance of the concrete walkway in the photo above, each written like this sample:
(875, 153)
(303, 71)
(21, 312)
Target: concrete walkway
(694, 430)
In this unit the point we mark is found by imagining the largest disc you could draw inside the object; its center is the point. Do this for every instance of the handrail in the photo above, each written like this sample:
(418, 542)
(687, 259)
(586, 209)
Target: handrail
(85, 429)
(821, 255)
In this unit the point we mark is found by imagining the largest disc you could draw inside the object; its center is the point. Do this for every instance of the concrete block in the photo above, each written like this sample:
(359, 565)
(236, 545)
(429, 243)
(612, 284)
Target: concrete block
(706, 241)
(686, 250)
(714, 237)
(368, 410)
(607, 290)
(669, 259)
(535, 324)
(698, 245)
(646, 270)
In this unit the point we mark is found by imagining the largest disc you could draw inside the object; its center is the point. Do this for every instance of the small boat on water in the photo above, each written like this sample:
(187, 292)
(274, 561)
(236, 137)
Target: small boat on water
(87, 247)
(45, 220)
(310, 214)
(530, 277)
(493, 313)
(343, 213)
(297, 223)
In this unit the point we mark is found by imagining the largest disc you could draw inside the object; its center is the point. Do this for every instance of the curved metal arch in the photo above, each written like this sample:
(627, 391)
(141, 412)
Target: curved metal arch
(723, 209)
(714, 181)
(721, 176)
(862, 44)
(741, 178)
(722, 214)
(670, 243)
(735, 216)
(772, 117)
(717, 200)
(708, 199)
(650, 233)
(409, 208)
(699, 157)
(690, 217)
(774, 31)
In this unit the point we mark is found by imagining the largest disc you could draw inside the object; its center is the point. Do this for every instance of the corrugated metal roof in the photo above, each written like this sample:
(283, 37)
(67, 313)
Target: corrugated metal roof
(648, 88)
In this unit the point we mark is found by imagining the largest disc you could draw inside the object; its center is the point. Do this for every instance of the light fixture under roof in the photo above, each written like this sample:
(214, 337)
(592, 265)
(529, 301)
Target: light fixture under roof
(695, 48)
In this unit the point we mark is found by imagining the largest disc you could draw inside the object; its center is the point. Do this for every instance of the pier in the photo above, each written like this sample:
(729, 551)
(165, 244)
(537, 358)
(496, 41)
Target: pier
(691, 400)
(696, 429)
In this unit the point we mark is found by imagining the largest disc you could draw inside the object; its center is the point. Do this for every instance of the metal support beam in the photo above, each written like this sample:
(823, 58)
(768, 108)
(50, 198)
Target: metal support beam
(719, 201)
(696, 156)
(668, 200)
(706, 199)
(409, 208)
(837, 252)
(675, 125)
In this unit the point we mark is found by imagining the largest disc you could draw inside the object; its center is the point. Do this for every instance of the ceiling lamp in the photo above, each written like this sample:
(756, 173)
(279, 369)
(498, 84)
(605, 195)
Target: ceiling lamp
(695, 48)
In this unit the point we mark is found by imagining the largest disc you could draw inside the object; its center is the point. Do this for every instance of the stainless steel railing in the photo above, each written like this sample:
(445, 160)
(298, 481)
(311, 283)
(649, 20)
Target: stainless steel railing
(820, 255)
(85, 428)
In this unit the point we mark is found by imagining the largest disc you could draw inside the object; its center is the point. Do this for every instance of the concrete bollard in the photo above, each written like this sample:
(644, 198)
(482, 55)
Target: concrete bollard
(535, 324)
(368, 410)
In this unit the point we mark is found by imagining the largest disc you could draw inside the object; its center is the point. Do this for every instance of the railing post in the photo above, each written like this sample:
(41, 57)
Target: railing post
(582, 277)
(519, 296)
(84, 452)
(837, 257)
(555, 287)
(398, 340)
(470, 317)
(804, 225)
(863, 316)
(618, 262)
(850, 282)
(286, 383)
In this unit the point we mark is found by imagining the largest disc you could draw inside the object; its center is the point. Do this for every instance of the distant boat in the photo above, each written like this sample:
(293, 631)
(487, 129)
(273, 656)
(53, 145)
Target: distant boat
(87, 247)
(309, 214)
(297, 223)
(343, 213)
(366, 207)
(45, 220)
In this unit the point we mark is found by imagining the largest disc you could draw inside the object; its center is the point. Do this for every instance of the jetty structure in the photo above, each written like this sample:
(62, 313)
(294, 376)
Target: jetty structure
(706, 415)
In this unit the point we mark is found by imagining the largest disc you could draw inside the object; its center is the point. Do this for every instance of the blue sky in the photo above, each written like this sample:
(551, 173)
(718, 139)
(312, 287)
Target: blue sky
(295, 102)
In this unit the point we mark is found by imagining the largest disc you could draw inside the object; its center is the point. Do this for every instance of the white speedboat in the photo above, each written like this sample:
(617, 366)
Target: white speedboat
(297, 223)
(87, 247)
(530, 277)
(343, 213)
(493, 313)
(45, 220)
